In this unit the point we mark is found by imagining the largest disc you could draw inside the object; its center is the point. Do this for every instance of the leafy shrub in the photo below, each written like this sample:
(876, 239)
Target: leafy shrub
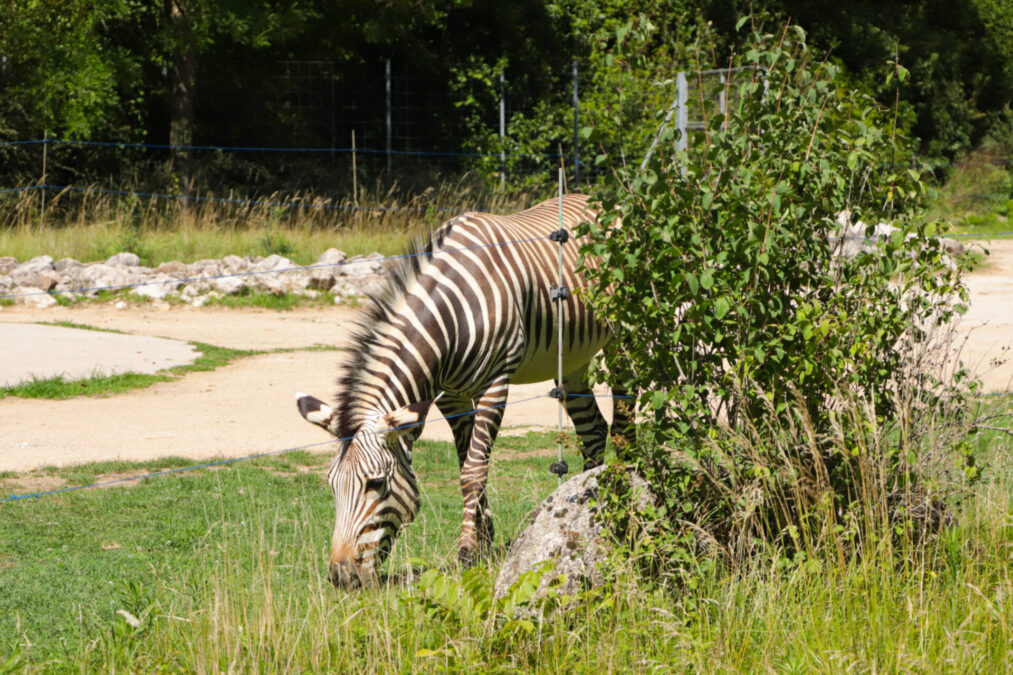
(783, 385)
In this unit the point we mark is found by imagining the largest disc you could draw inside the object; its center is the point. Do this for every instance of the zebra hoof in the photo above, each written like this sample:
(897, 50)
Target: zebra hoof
(467, 557)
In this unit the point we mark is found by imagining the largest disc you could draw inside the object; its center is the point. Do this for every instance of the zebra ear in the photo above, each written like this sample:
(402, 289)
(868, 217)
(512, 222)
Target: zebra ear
(316, 411)
(406, 422)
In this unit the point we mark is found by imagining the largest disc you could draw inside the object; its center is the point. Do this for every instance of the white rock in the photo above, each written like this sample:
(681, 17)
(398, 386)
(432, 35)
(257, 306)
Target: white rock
(362, 265)
(36, 277)
(229, 285)
(125, 259)
(65, 265)
(32, 297)
(157, 291)
(233, 263)
(332, 256)
(7, 264)
(566, 529)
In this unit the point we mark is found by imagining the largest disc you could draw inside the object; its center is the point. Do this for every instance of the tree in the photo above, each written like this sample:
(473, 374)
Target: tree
(765, 359)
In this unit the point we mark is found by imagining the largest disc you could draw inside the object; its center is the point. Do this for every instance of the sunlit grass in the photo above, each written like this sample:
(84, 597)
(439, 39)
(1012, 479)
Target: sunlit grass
(91, 226)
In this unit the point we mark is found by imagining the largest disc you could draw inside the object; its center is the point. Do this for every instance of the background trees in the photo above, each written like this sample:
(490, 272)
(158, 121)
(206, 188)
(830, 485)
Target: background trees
(269, 73)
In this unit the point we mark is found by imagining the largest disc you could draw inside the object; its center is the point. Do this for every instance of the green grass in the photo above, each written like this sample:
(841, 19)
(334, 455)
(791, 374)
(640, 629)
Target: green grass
(226, 571)
(58, 388)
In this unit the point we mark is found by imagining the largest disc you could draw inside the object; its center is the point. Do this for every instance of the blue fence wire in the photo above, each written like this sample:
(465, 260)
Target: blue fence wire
(242, 148)
(284, 270)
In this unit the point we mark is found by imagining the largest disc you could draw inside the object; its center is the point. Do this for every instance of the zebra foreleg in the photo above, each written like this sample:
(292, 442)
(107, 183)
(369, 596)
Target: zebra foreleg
(587, 419)
(476, 526)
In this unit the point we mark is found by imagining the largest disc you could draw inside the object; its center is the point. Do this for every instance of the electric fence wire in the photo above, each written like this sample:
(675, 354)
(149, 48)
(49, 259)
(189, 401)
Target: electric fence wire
(272, 453)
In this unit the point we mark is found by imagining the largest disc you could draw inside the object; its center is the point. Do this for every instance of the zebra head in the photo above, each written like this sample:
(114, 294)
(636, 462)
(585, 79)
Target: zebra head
(374, 487)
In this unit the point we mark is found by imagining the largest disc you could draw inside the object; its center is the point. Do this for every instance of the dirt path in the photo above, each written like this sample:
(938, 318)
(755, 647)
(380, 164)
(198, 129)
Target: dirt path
(247, 408)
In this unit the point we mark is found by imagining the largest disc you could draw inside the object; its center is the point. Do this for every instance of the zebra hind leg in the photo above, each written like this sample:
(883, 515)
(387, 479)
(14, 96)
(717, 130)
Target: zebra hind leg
(587, 419)
(622, 431)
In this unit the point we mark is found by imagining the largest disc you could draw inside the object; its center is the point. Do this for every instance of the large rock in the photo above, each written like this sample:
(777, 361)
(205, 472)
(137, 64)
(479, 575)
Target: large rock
(567, 529)
(173, 268)
(36, 276)
(33, 297)
(66, 265)
(362, 265)
(7, 264)
(125, 259)
(97, 276)
(158, 287)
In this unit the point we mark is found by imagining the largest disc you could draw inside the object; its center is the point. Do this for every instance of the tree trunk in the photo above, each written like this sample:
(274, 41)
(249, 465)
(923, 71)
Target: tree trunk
(181, 99)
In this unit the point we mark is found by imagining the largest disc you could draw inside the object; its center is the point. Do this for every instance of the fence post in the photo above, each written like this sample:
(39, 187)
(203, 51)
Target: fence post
(355, 175)
(42, 190)
(502, 132)
(681, 112)
(576, 130)
(389, 132)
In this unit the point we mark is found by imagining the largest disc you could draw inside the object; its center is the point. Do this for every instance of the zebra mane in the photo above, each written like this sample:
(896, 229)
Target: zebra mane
(370, 326)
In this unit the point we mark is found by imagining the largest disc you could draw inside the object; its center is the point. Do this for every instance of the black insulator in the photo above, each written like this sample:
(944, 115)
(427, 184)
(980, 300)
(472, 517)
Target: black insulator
(560, 468)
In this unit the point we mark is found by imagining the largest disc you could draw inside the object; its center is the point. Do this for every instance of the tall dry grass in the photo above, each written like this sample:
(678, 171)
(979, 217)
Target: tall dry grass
(92, 224)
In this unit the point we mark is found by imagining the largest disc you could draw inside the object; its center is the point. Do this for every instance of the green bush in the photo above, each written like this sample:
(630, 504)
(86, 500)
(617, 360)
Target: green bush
(784, 388)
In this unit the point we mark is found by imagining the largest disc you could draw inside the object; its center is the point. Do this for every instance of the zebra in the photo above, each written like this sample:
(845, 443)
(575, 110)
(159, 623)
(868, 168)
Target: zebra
(461, 317)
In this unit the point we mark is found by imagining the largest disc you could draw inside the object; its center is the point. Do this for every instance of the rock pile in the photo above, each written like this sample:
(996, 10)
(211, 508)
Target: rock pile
(853, 239)
(35, 281)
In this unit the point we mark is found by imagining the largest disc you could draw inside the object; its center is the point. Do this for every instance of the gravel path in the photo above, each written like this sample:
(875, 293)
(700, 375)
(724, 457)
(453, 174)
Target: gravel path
(247, 407)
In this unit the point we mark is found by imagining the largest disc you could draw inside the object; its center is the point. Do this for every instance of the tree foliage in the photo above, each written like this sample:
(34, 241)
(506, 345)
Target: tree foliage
(763, 355)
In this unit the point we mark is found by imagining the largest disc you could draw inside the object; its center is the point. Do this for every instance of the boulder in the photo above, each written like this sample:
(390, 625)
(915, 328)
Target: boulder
(65, 265)
(36, 277)
(233, 263)
(272, 263)
(205, 268)
(98, 276)
(125, 259)
(7, 264)
(362, 265)
(567, 529)
(173, 268)
(33, 297)
(332, 256)
(155, 290)
(38, 262)
(229, 285)
(321, 278)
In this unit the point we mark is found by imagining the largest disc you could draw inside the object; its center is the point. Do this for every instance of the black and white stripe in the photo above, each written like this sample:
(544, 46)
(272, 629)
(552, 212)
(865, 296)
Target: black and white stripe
(460, 321)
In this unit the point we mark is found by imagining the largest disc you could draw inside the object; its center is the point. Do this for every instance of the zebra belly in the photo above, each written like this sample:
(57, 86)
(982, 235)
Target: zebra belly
(543, 365)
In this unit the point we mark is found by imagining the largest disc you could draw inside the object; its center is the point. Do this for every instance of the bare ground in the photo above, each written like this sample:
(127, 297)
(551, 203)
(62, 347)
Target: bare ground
(247, 408)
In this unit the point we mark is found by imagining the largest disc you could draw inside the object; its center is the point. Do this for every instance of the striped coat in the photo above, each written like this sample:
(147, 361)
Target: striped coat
(460, 320)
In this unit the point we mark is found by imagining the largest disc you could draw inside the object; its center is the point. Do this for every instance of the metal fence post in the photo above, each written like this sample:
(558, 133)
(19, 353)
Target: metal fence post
(502, 132)
(389, 130)
(681, 111)
(576, 131)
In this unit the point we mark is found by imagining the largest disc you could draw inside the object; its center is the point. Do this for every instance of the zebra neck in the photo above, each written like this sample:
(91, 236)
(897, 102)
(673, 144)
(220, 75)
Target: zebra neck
(384, 383)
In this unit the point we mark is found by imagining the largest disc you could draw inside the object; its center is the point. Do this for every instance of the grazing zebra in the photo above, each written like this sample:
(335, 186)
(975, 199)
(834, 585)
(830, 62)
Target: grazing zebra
(459, 321)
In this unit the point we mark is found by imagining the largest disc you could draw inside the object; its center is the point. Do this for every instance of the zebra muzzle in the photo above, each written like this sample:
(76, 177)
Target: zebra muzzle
(345, 574)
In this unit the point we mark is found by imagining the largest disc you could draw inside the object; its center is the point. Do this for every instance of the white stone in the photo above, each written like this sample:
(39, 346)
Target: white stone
(229, 285)
(157, 291)
(332, 256)
(566, 530)
(33, 297)
(7, 264)
(125, 259)
(362, 265)
(64, 265)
